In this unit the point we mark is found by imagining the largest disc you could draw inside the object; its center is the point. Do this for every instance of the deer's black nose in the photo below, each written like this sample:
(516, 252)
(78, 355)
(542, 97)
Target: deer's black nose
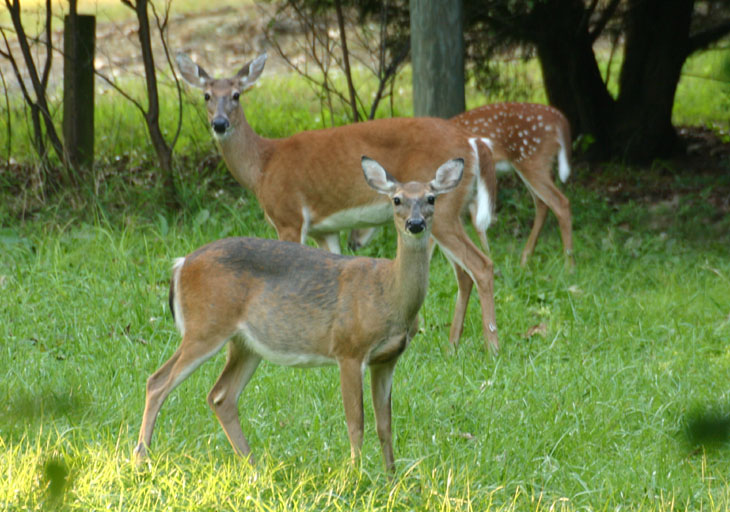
(220, 125)
(415, 226)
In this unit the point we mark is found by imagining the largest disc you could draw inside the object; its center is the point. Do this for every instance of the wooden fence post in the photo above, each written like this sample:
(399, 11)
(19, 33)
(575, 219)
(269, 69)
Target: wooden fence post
(78, 89)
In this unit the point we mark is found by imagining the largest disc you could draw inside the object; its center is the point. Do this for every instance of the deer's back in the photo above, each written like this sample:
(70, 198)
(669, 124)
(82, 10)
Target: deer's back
(293, 305)
(320, 170)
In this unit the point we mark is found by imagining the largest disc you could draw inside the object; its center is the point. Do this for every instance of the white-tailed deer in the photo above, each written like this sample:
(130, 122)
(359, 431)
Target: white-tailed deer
(528, 136)
(298, 306)
(309, 184)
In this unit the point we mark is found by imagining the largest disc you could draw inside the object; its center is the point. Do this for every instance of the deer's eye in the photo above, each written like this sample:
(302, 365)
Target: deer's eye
(236, 95)
(207, 96)
(396, 200)
(431, 199)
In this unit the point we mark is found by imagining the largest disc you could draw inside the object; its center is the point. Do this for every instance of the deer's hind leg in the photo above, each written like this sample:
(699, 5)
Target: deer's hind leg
(193, 352)
(223, 397)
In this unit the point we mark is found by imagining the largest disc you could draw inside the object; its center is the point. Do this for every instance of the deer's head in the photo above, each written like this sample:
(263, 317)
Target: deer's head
(222, 96)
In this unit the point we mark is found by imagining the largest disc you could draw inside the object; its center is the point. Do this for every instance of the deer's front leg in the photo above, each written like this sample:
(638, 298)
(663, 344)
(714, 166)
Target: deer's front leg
(351, 386)
(381, 380)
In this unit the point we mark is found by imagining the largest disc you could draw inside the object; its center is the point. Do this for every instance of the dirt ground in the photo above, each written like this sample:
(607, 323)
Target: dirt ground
(221, 39)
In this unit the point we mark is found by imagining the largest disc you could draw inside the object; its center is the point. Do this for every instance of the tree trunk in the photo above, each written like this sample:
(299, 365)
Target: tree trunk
(573, 84)
(571, 76)
(637, 126)
(657, 38)
(437, 56)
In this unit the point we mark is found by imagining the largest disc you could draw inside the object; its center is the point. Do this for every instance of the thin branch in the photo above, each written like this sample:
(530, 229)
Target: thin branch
(346, 61)
(389, 76)
(49, 48)
(14, 64)
(7, 109)
(706, 77)
(162, 28)
(121, 91)
(40, 104)
(35, 118)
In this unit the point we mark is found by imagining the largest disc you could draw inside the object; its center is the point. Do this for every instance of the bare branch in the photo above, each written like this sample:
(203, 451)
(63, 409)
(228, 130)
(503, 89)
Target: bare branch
(121, 91)
(40, 102)
(322, 53)
(152, 114)
(162, 28)
(34, 111)
(49, 48)
(9, 137)
(14, 64)
(346, 61)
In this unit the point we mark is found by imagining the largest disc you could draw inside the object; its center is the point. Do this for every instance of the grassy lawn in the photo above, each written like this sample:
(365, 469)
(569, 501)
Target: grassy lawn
(611, 389)
(620, 400)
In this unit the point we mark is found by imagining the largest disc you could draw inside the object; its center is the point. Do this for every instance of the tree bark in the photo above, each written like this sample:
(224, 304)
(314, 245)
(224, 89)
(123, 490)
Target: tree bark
(574, 85)
(637, 125)
(657, 38)
(437, 57)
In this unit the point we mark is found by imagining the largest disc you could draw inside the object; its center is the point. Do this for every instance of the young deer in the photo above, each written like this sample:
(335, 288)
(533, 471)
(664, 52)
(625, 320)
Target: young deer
(528, 136)
(298, 306)
(309, 184)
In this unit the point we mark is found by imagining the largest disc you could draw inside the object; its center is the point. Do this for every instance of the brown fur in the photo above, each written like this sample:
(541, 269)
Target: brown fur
(300, 306)
(529, 136)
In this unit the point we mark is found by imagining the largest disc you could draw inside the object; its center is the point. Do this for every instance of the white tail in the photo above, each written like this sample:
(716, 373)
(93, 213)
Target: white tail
(528, 136)
(298, 306)
(309, 184)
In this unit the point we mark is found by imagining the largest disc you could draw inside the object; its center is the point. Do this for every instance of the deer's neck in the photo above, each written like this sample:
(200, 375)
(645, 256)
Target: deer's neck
(410, 275)
(245, 152)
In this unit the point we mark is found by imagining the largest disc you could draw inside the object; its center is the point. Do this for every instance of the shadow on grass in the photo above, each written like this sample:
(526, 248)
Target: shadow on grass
(45, 404)
(707, 428)
(55, 475)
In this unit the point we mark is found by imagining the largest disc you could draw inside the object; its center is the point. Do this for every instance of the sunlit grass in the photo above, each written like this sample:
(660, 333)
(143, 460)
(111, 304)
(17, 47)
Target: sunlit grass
(599, 412)
(703, 94)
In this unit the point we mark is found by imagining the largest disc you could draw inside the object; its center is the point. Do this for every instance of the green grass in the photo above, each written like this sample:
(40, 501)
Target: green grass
(704, 91)
(605, 410)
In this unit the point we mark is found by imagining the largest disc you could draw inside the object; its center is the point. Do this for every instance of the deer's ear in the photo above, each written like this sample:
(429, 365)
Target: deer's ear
(377, 177)
(448, 176)
(191, 72)
(251, 72)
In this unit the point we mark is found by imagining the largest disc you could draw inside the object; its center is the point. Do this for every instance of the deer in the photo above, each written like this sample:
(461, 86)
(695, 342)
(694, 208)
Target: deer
(527, 137)
(299, 306)
(308, 184)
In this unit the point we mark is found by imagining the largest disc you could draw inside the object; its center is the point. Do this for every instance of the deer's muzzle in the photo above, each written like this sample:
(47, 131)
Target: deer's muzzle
(220, 125)
(415, 226)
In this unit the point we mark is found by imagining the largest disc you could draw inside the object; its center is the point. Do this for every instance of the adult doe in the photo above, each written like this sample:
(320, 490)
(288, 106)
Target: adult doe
(299, 306)
(310, 184)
